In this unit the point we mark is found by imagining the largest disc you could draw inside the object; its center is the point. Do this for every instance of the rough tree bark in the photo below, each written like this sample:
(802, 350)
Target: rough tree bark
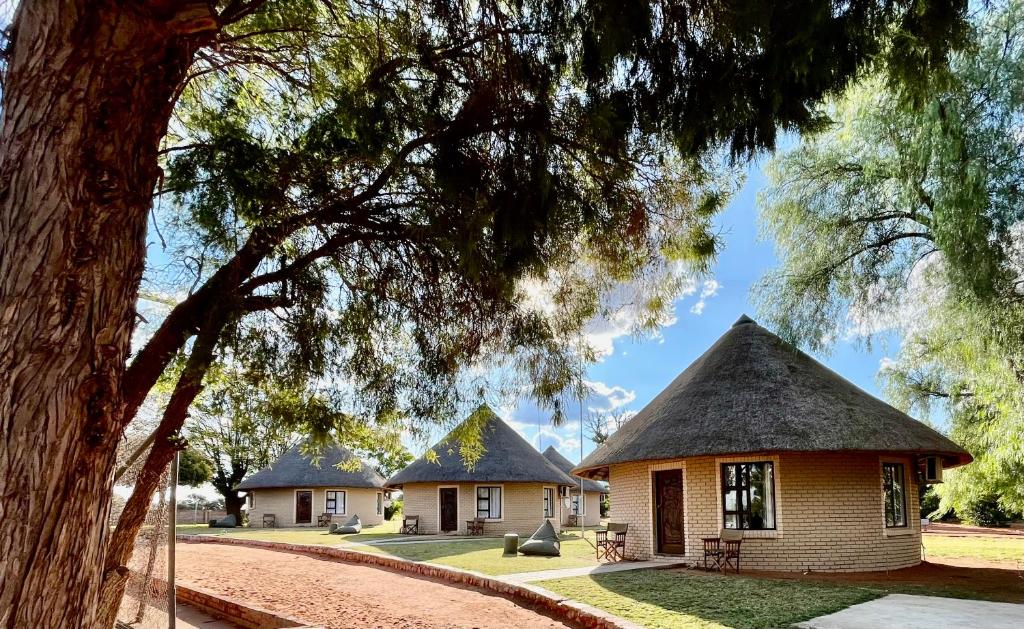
(87, 97)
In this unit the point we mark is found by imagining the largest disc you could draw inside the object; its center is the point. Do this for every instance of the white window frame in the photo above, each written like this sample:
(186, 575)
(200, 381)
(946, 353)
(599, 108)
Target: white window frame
(380, 503)
(501, 502)
(551, 502)
(344, 501)
(458, 506)
(776, 472)
(574, 509)
(909, 488)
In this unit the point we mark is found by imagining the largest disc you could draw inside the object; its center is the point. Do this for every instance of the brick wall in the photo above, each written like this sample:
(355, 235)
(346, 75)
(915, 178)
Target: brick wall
(829, 512)
(522, 509)
(281, 502)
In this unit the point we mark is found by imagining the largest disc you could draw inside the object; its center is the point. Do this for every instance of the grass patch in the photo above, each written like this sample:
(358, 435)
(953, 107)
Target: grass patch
(299, 535)
(1009, 548)
(672, 599)
(485, 555)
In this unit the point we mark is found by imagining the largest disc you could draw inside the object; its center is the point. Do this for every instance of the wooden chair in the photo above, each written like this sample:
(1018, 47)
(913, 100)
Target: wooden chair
(731, 553)
(410, 525)
(324, 519)
(269, 521)
(475, 526)
(611, 543)
(574, 521)
(723, 556)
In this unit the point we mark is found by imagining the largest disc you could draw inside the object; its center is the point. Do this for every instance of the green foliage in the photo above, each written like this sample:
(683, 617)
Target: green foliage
(380, 201)
(393, 509)
(929, 502)
(906, 214)
(193, 468)
(984, 511)
(606, 507)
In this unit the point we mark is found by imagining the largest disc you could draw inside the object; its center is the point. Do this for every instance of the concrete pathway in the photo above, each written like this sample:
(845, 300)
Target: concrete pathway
(564, 573)
(905, 611)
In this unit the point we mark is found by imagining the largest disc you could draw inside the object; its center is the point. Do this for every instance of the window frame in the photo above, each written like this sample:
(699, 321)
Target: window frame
(724, 489)
(888, 499)
(575, 502)
(490, 498)
(380, 503)
(328, 499)
(549, 501)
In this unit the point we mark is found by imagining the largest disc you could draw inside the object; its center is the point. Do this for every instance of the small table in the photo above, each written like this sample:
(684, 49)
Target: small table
(475, 526)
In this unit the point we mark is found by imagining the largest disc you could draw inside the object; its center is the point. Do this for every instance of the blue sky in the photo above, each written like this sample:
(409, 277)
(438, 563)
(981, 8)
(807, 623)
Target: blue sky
(637, 370)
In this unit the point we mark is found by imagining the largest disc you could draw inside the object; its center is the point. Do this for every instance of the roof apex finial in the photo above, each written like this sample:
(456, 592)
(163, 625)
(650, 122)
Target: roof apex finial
(743, 320)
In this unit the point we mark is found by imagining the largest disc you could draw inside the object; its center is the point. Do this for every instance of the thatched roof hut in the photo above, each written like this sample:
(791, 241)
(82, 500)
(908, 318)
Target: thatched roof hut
(507, 457)
(295, 469)
(562, 463)
(753, 392)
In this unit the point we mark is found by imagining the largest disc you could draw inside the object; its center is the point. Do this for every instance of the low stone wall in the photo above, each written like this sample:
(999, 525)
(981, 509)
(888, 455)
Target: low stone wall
(226, 608)
(566, 610)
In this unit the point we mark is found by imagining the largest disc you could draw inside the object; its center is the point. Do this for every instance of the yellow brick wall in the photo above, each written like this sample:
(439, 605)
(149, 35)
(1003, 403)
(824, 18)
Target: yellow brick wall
(281, 502)
(829, 512)
(522, 509)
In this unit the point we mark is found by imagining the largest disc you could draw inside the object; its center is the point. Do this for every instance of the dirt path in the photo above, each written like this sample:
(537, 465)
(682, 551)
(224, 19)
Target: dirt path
(341, 595)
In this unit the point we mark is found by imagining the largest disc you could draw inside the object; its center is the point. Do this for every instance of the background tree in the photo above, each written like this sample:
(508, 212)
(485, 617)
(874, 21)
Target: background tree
(907, 214)
(550, 82)
(600, 425)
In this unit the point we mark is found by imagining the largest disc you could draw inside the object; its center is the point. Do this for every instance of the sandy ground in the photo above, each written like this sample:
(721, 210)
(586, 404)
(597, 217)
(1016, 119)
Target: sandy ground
(943, 528)
(341, 595)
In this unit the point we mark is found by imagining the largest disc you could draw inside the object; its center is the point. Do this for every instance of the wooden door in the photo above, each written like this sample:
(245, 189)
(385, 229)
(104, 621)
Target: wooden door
(449, 499)
(668, 496)
(303, 507)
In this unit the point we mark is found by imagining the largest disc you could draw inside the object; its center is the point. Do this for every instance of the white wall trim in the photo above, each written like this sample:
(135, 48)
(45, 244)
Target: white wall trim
(554, 502)
(502, 486)
(776, 472)
(458, 499)
(653, 510)
(344, 510)
(295, 505)
(913, 524)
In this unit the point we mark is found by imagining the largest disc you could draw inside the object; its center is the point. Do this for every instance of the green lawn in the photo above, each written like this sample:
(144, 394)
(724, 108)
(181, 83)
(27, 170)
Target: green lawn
(1009, 548)
(485, 555)
(672, 599)
(296, 535)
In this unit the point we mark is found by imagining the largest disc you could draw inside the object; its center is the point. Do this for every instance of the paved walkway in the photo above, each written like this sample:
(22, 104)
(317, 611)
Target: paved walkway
(564, 573)
(905, 611)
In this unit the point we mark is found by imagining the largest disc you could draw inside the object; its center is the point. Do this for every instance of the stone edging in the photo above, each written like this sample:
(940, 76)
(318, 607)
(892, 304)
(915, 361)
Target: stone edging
(565, 609)
(222, 607)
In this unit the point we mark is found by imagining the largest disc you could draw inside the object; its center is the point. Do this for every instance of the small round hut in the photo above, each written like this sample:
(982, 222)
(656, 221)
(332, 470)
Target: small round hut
(759, 437)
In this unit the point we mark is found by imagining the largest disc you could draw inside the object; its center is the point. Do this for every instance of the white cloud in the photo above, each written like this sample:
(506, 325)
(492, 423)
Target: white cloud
(707, 291)
(607, 398)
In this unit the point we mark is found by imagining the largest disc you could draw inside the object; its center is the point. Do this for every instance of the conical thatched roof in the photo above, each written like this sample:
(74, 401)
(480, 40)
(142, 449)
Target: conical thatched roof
(507, 457)
(294, 469)
(753, 392)
(562, 463)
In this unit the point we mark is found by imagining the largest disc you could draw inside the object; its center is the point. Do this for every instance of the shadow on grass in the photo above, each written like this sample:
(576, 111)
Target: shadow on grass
(678, 599)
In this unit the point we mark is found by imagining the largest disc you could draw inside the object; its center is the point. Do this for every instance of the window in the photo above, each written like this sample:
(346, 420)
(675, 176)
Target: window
(251, 499)
(576, 505)
(549, 502)
(895, 495)
(380, 504)
(748, 496)
(488, 502)
(335, 502)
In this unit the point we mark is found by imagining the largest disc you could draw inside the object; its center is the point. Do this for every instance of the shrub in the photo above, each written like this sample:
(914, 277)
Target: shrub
(392, 509)
(929, 503)
(606, 506)
(984, 511)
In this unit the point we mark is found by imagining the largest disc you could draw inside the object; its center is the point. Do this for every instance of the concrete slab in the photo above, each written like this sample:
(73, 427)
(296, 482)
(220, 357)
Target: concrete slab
(905, 611)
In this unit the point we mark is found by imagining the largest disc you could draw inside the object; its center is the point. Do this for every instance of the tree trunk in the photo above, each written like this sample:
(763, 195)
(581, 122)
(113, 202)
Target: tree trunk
(87, 96)
(233, 505)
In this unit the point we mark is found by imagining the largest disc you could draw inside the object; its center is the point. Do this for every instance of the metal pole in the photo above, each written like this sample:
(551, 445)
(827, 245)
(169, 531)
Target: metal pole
(171, 530)
(583, 499)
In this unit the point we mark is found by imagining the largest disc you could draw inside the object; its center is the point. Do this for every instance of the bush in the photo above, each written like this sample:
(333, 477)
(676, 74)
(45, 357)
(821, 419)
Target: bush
(929, 503)
(606, 506)
(392, 509)
(984, 511)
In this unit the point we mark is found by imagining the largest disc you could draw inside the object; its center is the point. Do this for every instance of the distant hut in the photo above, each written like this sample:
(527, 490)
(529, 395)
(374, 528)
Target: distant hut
(511, 486)
(297, 490)
(756, 435)
(589, 508)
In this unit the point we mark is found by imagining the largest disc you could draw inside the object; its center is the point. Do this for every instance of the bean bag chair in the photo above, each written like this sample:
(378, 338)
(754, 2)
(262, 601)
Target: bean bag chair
(543, 543)
(228, 522)
(352, 526)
